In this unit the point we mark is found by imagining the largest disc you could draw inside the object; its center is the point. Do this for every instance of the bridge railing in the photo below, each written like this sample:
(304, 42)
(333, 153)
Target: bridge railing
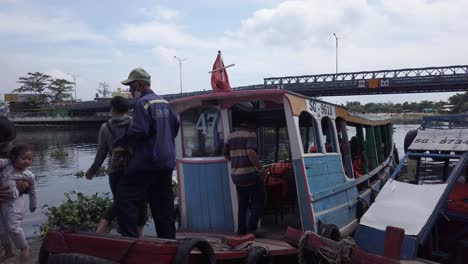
(369, 75)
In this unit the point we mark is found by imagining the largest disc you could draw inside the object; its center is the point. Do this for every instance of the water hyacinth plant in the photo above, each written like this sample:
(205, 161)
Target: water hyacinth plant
(78, 212)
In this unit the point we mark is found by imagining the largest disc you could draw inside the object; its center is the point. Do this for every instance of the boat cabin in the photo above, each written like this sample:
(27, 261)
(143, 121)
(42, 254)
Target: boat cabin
(325, 164)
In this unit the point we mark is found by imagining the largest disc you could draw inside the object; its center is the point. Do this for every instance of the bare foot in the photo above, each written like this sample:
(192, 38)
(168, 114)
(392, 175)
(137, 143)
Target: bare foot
(6, 256)
(24, 255)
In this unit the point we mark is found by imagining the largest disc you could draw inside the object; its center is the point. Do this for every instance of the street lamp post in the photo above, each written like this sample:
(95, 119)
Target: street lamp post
(336, 42)
(180, 60)
(74, 82)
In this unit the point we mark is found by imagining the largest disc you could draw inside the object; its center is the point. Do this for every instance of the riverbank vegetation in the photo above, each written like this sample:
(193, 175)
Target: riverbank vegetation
(458, 104)
(77, 212)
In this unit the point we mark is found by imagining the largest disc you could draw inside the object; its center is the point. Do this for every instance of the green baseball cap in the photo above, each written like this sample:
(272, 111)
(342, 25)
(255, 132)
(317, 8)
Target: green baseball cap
(137, 74)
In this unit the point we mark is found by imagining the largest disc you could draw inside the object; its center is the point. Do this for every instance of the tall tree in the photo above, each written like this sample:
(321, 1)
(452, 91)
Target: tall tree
(104, 89)
(36, 82)
(59, 89)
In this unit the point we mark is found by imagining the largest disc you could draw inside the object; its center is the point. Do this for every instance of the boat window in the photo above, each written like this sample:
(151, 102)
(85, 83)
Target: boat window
(328, 135)
(273, 144)
(344, 146)
(309, 133)
(202, 132)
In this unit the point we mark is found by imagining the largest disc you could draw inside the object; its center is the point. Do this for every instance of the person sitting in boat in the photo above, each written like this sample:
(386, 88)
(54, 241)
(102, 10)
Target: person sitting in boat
(356, 156)
(247, 174)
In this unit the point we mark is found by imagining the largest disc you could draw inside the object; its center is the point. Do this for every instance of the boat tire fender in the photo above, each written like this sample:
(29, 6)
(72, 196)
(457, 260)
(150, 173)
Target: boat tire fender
(395, 155)
(183, 251)
(43, 255)
(74, 258)
(257, 255)
(330, 231)
(410, 136)
(361, 208)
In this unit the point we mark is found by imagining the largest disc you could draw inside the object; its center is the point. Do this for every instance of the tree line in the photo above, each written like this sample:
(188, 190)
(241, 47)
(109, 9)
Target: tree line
(459, 101)
(49, 90)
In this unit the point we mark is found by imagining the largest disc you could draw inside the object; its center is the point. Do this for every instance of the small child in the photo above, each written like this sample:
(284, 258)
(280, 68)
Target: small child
(13, 171)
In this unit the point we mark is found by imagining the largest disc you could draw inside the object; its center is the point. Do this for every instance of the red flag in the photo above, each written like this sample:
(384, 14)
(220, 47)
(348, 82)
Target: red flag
(219, 77)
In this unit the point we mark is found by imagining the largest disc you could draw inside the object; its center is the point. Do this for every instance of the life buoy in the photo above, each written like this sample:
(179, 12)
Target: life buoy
(410, 136)
(361, 208)
(183, 251)
(458, 198)
(256, 255)
(329, 231)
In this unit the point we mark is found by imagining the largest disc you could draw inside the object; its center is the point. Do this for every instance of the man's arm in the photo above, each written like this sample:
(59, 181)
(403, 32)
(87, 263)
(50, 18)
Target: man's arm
(101, 154)
(32, 192)
(5, 193)
(138, 130)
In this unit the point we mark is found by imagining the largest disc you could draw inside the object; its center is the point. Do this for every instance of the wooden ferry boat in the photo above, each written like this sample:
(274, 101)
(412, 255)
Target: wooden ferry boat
(326, 166)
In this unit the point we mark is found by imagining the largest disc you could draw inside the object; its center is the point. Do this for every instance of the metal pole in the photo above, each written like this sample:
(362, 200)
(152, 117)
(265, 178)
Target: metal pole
(180, 70)
(336, 52)
(74, 82)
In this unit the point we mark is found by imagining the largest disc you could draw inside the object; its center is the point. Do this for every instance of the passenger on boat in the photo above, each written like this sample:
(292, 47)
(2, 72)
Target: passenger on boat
(356, 156)
(149, 178)
(247, 174)
(114, 128)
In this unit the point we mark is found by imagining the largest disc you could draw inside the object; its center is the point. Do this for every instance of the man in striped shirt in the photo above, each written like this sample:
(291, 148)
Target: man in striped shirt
(247, 174)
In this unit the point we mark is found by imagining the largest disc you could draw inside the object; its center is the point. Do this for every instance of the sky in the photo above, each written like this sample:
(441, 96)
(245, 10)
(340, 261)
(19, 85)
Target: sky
(102, 41)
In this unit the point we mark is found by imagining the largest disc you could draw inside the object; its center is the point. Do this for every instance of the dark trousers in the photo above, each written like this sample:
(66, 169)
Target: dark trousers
(138, 187)
(111, 213)
(249, 197)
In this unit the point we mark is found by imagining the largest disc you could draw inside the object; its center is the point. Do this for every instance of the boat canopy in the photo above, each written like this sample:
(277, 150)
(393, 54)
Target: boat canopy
(298, 102)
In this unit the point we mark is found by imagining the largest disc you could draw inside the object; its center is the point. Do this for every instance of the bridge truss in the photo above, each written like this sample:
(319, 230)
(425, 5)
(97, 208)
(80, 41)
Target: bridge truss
(414, 80)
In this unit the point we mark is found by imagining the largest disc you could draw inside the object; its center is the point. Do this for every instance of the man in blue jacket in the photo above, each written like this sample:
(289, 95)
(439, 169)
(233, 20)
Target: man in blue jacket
(149, 178)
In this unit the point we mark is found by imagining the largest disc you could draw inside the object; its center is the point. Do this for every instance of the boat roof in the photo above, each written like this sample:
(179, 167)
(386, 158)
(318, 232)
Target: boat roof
(445, 121)
(227, 99)
(441, 140)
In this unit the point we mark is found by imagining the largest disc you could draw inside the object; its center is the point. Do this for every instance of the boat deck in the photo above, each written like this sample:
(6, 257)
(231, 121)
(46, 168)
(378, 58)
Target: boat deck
(275, 247)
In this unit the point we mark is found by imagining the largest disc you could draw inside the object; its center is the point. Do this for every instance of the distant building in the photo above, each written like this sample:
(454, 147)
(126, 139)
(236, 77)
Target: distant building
(19, 98)
(122, 92)
(447, 108)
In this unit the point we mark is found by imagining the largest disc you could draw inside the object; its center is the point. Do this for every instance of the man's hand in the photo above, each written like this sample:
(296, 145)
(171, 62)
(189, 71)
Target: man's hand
(263, 173)
(89, 175)
(5, 193)
(22, 186)
(32, 209)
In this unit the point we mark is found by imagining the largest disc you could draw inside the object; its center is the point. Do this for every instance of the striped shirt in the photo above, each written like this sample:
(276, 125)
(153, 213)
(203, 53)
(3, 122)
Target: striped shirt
(243, 172)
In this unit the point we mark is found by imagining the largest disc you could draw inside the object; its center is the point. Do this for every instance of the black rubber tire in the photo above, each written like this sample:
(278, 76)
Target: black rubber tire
(410, 136)
(257, 255)
(43, 255)
(396, 156)
(361, 208)
(184, 249)
(74, 258)
(330, 231)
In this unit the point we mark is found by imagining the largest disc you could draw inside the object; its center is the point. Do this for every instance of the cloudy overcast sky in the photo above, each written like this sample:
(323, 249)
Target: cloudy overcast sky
(104, 40)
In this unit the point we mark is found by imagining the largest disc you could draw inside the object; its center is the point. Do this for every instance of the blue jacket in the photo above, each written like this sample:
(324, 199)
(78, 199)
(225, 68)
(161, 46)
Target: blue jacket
(152, 134)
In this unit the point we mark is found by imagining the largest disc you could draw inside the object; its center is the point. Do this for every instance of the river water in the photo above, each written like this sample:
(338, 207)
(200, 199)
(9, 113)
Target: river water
(55, 176)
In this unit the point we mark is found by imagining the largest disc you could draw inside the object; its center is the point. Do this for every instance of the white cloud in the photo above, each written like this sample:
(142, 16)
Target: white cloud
(46, 27)
(166, 54)
(161, 13)
(58, 74)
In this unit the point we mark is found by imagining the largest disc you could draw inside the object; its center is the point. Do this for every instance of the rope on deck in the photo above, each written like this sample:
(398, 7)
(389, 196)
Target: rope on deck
(342, 256)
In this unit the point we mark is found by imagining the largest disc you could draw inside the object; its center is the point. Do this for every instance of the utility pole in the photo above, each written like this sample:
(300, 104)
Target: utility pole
(336, 42)
(74, 82)
(180, 60)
